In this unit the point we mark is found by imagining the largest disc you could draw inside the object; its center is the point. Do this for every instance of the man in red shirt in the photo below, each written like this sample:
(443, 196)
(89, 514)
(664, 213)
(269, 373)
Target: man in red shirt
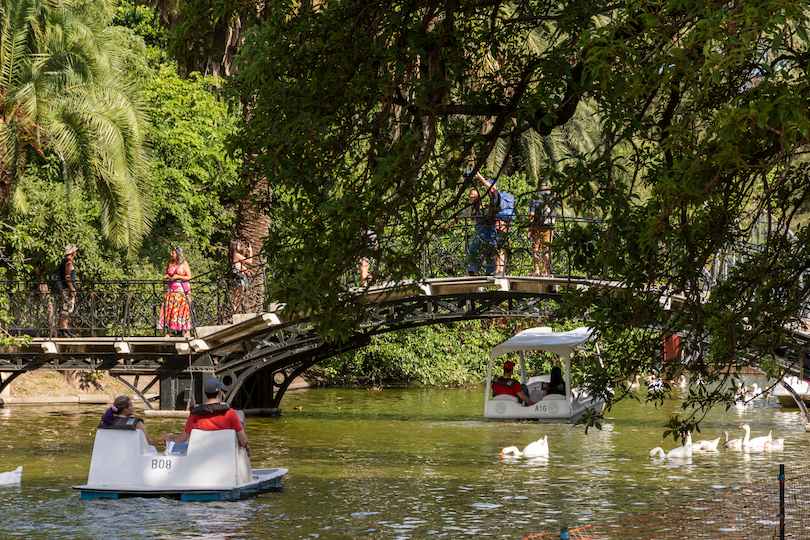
(509, 386)
(212, 416)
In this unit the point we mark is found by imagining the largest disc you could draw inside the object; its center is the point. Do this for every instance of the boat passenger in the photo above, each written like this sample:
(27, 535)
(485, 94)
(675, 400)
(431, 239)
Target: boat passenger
(556, 385)
(119, 416)
(506, 385)
(212, 416)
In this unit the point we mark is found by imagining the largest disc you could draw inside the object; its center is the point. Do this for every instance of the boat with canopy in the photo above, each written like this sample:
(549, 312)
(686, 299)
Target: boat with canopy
(552, 408)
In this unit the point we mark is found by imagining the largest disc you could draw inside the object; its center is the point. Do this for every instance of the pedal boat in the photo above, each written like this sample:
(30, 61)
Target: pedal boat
(800, 386)
(554, 408)
(213, 467)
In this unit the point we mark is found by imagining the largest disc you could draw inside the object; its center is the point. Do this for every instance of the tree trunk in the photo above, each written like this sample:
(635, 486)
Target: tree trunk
(252, 226)
(6, 180)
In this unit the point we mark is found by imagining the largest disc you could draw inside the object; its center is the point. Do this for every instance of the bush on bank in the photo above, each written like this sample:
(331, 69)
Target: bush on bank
(441, 354)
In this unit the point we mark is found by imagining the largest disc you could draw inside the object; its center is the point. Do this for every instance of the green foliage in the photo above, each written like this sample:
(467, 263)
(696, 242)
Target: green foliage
(34, 239)
(455, 353)
(193, 176)
(143, 22)
(364, 114)
(64, 93)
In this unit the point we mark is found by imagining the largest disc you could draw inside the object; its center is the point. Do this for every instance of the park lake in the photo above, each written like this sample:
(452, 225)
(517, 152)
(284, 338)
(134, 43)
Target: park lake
(394, 464)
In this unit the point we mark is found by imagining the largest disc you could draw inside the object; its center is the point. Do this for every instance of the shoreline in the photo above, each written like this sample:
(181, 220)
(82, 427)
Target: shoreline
(85, 399)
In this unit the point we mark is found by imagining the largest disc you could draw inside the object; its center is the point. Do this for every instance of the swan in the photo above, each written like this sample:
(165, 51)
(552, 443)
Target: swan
(538, 448)
(756, 442)
(733, 444)
(776, 444)
(706, 446)
(11, 478)
(635, 384)
(684, 451)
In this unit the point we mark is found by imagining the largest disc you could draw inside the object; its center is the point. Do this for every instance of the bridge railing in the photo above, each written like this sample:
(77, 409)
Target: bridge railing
(448, 254)
(123, 308)
(132, 308)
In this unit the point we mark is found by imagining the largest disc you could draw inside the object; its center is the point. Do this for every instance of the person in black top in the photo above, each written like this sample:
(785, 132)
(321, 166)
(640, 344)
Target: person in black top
(557, 384)
(67, 275)
(119, 414)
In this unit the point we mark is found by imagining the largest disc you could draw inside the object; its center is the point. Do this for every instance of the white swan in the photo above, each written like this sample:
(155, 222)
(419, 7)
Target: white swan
(706, 446)
(733, 444)
(775, 444)
(756, 442)
(538, 448)
(680, 452)
(11, 478)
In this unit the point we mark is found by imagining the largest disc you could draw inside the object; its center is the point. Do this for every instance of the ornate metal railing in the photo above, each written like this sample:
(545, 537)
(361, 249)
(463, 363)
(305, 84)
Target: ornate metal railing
(447, 254)
(124, 308)
(132, 308)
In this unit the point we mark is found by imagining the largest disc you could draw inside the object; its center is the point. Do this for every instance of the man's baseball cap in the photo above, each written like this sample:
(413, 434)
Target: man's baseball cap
(213, 385)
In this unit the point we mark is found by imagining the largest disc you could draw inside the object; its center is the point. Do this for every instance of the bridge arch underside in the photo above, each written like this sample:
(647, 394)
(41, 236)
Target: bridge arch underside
(259, 370)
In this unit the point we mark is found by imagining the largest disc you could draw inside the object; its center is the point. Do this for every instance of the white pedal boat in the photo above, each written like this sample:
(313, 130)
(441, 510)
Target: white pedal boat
(552, 409)
(214, 467)
(800, 386)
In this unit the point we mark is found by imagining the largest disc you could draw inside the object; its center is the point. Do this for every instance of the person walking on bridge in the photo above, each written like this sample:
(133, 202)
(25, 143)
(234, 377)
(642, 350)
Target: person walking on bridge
(67, 276)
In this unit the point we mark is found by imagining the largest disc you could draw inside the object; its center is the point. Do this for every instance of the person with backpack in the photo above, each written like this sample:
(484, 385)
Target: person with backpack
(64, 286)
(542, 216)
(502, 210)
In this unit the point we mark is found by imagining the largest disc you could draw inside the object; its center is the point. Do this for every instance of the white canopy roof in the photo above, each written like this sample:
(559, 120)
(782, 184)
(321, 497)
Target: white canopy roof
(533, 339)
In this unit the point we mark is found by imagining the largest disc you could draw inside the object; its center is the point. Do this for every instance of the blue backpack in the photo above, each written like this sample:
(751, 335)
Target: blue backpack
(506, 202)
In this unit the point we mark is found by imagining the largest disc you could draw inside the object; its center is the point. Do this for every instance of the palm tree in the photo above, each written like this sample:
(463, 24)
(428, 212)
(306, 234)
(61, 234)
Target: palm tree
(62, 92)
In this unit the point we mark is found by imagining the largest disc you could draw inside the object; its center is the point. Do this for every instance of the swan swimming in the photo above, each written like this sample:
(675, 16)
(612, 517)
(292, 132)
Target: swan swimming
(756, 442)
(538, 448)
(706, 446)
(11, 478)
(733, 444)
(679, 452)
(775, 444)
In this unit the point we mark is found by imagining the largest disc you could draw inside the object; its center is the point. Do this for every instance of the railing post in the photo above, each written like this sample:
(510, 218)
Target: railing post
(781, 501)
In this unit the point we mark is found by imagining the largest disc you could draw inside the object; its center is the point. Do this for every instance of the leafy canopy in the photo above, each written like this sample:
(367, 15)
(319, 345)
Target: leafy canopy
(363, 114)
(63, 92)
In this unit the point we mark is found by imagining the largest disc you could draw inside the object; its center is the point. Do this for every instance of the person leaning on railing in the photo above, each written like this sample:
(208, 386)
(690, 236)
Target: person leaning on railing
(482, 231)
(542, 217)
(240, 259)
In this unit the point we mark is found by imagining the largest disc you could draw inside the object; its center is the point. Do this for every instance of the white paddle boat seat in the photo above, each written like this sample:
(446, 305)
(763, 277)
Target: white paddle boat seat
(505, 397)
(213, 460)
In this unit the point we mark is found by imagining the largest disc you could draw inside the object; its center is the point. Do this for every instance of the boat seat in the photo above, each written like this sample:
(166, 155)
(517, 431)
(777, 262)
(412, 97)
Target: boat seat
(505, 397)
(213, 459)
(176, 448)
(554, 396)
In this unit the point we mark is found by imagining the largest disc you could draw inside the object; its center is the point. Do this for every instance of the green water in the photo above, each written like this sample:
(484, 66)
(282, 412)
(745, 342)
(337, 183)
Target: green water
(392, 464)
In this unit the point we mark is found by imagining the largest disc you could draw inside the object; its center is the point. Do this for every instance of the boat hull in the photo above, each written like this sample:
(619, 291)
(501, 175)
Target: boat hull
(545, 412)
(263, 480)
(786, 399)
